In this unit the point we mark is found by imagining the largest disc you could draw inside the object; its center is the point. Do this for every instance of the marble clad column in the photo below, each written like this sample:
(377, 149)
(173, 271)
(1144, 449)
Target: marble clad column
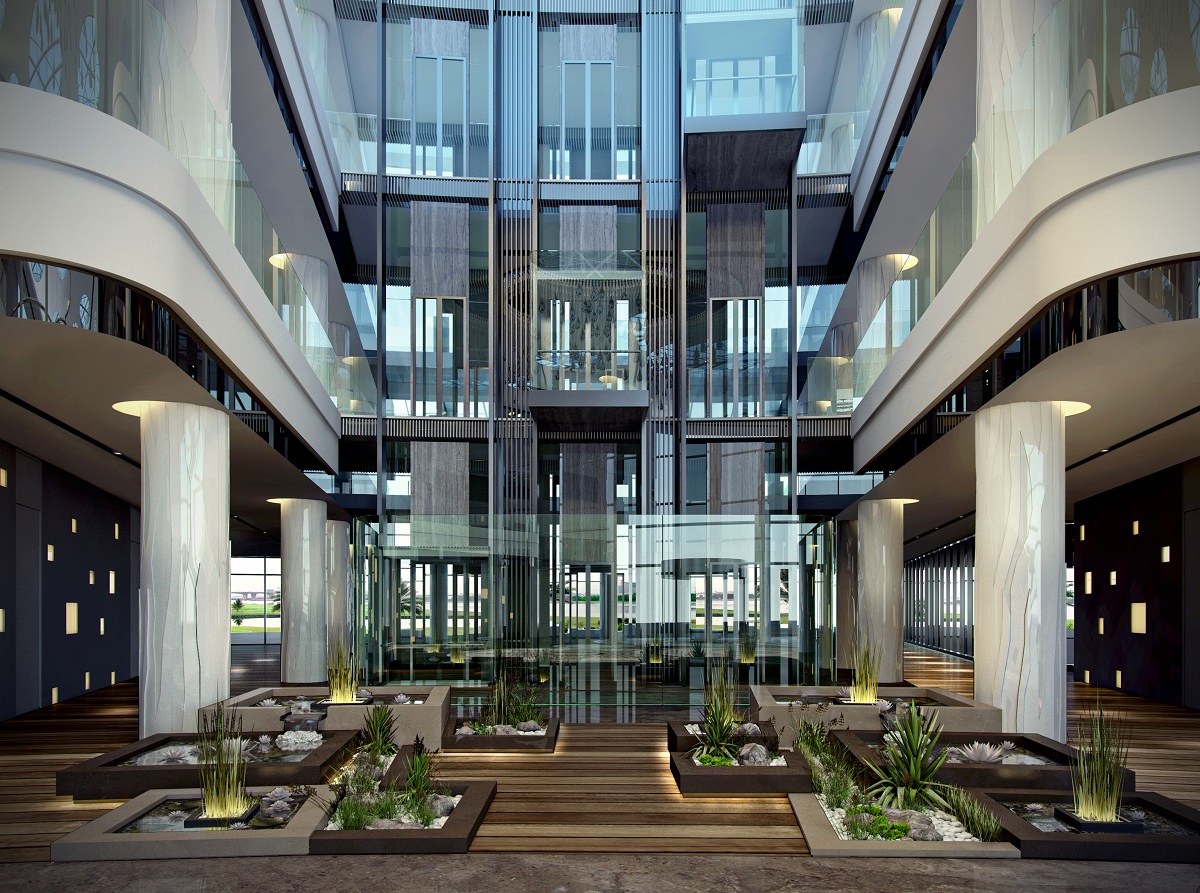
(304, 638)
(1020, 599)
(184, 596)
(338, 585)
(847, 592)
(880, 570)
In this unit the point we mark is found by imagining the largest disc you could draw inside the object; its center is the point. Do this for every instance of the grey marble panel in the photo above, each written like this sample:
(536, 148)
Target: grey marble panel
(439, 37)
(588, 229)
(736, 250)
(440, 249)
(441, 478)
(588, 43)
(587, 488)
(735, 478)
(880, 579)
(304, 636)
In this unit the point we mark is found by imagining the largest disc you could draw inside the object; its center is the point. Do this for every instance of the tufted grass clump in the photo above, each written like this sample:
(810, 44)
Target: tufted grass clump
(223, 772)
(1098, 769)
(975, 817)
(865, 688)
(343, 674)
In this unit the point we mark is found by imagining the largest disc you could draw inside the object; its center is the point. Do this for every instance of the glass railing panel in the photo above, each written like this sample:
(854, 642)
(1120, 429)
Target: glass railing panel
(155, 89)
(1059, 85)
(830, 143)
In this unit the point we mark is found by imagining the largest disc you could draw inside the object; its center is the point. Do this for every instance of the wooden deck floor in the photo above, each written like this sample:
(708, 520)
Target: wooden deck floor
(607, 789)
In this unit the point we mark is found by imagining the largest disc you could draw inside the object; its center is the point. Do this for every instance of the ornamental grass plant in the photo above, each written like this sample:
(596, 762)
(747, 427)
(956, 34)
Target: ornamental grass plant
(1098, 768)
(343, 674)
(223, 772)
(865, 688)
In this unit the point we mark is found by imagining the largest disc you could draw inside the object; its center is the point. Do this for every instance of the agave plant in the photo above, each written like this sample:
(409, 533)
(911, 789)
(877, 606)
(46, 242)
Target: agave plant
(1098, 769)
(979, 752)
(377, 730)
(718, 730)
(865, 688)
(910, 762)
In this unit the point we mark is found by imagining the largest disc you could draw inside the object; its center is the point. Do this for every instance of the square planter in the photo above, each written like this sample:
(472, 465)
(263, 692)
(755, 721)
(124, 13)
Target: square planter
(498, 743)
(680, 739)
(102, 838)
(1054, 777)
(771, 703)
(453, 837)
(427, 719)
(1152, 845)
(823, 840)
(741, 781)
(104, 778)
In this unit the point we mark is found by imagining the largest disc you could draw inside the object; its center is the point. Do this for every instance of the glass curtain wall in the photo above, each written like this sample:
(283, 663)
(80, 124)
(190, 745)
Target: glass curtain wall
(939, 596)
(254, 608)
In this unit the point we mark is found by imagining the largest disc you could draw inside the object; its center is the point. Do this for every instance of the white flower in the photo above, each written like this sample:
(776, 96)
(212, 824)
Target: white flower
(267, 702)
(238, 826)
(401, 698)
(177, 815)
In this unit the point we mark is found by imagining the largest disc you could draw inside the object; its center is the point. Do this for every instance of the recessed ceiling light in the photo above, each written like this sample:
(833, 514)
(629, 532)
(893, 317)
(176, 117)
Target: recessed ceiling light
(117, 453)
(1105, 450)
(278, 260)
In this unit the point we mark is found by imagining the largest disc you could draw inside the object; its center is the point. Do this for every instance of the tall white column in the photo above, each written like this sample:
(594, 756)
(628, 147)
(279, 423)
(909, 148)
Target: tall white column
(338, 585)
(304, 637)
(880, 570)
(1020, 600)
(184, 599)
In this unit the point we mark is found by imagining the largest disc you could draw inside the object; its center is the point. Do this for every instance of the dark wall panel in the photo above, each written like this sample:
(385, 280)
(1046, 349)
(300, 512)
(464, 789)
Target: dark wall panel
(8, 579)
(1150, 663)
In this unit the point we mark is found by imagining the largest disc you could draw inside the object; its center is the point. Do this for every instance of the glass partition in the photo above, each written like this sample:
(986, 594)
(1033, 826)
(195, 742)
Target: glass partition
(742, 57)
(600, 609)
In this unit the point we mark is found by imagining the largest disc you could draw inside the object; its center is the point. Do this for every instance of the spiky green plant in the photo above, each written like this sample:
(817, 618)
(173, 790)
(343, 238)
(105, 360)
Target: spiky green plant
(223, 772)
(975, 817)
(420, 784)
(865, 688)
(748, 645)
(911, 759)
(378, 727)
(343, 673)
(718, 729)
(1098, 768)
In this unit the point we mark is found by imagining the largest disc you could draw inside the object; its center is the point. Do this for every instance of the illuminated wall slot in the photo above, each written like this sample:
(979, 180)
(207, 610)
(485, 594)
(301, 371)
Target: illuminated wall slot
(1166, 554)
(3, 626)
(91, 578)
(101, 626)
(116, 531)
(74, 526)
(112, 678)
(87, 680)
(112, 582)
(1087, 676)
(3, 477)
(1100, 625)
(1118, 678)
(1087, 583)
(54, 695)
(1082, 533)
(1135, 528)
(72, 618)
(1112, 578)
(1137, 617)
(49, 552)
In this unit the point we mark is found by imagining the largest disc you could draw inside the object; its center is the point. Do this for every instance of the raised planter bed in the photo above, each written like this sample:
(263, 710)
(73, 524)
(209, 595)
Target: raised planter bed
(1054, 775)
(453, 837)
(109, 837)
(1154, 844)
(680, 739)
(110, 777)
(823, 840)
(484, 743)
(741, 781)
(779, 705)
(426, 719)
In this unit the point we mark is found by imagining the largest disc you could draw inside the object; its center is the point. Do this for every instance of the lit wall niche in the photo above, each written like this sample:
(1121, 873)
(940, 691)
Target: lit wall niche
(1137, 617)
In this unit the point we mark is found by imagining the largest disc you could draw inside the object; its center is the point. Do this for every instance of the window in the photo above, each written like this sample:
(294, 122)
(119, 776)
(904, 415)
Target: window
(439, 353)
(439, 116)
(586, 148)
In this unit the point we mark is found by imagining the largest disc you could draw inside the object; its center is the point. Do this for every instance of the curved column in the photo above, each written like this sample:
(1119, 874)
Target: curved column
(337, 582)
(880, 571)
(184, 595)
(304, 637)
(874, 37)
(876, 276)
(1020, 599)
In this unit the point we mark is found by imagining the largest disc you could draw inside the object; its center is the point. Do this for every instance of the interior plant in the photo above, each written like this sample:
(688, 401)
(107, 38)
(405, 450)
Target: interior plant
(512, 702)
(718, 729)
(975, 817)
(420, 784)
(748, 645)
(865, 688)
(911, 759)
(343, 674)
(223, 772)
(832, 772)
(1098, 768)
(378, 727)
(867, 820)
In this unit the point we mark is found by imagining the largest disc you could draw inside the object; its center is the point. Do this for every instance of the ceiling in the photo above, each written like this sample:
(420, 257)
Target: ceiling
(1137, 382)
(74, 377)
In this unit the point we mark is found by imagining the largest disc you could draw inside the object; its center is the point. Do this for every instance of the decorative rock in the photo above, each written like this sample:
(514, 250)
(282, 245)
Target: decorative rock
(383, 825)
(503, 729)
(748, 728)
(530, 725)
(924, 832)
(441, 805)
(910, 817)
(754, 755)
(463, 731)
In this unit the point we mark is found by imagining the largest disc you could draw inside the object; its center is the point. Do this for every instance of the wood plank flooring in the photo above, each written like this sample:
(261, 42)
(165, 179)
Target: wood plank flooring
(607, 788)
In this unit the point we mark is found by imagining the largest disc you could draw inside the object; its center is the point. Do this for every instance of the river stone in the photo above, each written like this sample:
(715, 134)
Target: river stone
(441, 805)
(910, 817)
(383, 825)
(924, 832)
(754, 755)
(503, 729)
(530, 725)
(464, 730)
(748, 728)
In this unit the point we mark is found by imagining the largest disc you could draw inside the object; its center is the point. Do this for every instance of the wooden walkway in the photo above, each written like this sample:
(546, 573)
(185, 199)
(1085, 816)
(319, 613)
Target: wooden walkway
(607, 788)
